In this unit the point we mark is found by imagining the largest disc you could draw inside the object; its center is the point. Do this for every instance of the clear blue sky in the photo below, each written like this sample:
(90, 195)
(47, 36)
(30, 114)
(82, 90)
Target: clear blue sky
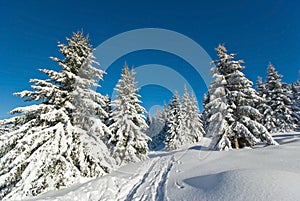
(258, 31)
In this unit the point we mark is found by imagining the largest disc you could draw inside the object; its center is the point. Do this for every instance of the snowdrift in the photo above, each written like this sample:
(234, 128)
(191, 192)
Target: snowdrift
(194, 173)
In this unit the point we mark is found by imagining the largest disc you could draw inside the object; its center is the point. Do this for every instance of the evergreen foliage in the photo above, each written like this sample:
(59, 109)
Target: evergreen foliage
(231, 104)
(128, 139)
(57, 141)
(277, 115)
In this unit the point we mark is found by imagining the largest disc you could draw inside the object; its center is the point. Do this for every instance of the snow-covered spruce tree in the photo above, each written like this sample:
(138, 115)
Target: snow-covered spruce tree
(296, 101)
(108, 109)
(183, 122)
(158, 141)
(206, 112)
(197, 118)
(153, 127)
(173, 138)
(263, 107)
(279, 116)
(128, 141)
(240, 118)
(191, 123)
(260, 85)
(57, 141)
(156, 131)
(217, 113)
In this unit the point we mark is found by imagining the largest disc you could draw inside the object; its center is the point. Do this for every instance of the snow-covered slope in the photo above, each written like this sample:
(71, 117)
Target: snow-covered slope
(194, 173)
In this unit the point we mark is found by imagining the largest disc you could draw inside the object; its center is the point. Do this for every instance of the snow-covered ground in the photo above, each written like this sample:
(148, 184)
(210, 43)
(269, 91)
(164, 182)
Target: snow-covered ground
(194, 173)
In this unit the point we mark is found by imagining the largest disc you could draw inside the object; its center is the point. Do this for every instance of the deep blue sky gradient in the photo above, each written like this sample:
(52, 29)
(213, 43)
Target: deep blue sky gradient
(258, 31)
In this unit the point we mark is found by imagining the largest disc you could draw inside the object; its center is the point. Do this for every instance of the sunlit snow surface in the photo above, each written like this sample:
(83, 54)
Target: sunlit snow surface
(194, 173)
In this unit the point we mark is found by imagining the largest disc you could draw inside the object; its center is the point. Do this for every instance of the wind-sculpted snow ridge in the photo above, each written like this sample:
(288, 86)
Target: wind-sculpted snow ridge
(194, 173)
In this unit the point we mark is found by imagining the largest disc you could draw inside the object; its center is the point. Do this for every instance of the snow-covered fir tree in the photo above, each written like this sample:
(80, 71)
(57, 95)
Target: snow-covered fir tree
(263, 107)
(191, 123)
(217, 113)
(183, 122)
(184, 136)
(296, 101)
(234, 106)
(108, 110)
(154, 125)
(156, 130)
(173, 138)
(260, 85)
(128, 140)
(278, 117)
(206, 112)
(56, 141)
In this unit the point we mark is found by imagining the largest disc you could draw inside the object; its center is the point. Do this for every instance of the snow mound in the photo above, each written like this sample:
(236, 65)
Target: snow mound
(245, 185)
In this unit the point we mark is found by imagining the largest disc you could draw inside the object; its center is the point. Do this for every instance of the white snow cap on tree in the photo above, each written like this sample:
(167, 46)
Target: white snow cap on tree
(59, 141)
(230, 104)
(128, 141)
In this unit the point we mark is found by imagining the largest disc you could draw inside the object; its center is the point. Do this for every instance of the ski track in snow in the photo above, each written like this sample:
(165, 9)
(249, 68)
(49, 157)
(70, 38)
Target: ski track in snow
(153, 184)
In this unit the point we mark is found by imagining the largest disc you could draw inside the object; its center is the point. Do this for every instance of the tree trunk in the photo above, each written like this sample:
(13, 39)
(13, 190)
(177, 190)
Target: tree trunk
(236, 143)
